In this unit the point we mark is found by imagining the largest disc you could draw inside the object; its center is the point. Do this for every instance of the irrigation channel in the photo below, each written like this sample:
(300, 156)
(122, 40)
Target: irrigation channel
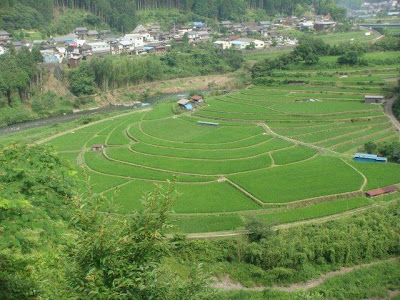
(87, 112)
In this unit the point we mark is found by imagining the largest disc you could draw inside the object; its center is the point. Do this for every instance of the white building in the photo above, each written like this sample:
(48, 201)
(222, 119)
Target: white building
(2, 50)
(137, 39)
(99, 47)
(258, 44)
(222, 45)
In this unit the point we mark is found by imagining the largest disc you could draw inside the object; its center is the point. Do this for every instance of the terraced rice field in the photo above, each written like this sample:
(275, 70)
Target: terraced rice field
(281, 152)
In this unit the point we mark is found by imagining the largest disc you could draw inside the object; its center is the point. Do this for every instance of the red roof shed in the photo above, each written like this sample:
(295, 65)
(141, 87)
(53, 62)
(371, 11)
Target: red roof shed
(382, 191)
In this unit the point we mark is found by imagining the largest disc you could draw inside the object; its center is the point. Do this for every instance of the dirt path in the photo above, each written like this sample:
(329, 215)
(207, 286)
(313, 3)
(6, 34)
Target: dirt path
(227, 284)
(389, 112)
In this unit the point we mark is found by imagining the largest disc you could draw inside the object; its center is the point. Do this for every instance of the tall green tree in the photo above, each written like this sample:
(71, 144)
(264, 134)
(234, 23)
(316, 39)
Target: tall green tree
(82, 80)
(118, 258)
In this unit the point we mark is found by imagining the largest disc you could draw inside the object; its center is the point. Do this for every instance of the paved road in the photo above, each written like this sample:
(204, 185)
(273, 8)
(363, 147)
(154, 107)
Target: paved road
(389, 112)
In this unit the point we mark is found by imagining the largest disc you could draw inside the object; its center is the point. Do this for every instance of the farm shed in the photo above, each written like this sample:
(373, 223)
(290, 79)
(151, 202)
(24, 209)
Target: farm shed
(197, 99)
(373, 99)
(185, 104)
(97, 147)
(365, 157)
(207, 123)
(382, 191)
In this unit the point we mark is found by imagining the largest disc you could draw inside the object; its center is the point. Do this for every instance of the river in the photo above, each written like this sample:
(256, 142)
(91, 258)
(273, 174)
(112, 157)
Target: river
(71, 117)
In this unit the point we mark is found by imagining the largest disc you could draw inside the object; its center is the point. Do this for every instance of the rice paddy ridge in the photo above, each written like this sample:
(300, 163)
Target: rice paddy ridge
(317, 220)
(320, 149)
(207, 159)
(45, 140)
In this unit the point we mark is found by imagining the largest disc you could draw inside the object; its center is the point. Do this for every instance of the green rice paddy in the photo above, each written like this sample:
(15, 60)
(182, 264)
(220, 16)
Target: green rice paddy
(274, 145)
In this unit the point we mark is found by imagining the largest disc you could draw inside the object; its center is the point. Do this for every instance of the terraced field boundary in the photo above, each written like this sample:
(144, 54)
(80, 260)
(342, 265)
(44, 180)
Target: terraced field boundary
(348, 213)
(303, 202)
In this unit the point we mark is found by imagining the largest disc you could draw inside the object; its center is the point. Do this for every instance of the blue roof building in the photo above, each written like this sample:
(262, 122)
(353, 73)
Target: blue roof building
(365, 157)
(199, 24)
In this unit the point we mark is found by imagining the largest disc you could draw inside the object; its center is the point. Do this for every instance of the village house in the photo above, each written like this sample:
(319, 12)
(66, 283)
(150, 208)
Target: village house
(51, 56)
(237, 28)
(324, 25)
(111, 38)
(373, 99)
(137, 39)
(98, 48)
(5, 36)
(139, 29)
(126, 46)
(240, 45)
(199, 25)
(81, 32)
(264, 24)
(290, 21)
(74, 61)
(64, 39)
(258, 44)
(93, 34)
(155, 28)
(204, 35)
(2, 50)
(226, 24)
(307, 25)
(17, 45)
(184, 29)
(222, 45)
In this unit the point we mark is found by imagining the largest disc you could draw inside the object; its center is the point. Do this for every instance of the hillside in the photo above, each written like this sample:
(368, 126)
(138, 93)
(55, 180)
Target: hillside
(125, 14)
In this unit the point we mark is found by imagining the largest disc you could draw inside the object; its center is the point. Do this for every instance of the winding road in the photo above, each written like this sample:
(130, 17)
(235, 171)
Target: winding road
(389, 112)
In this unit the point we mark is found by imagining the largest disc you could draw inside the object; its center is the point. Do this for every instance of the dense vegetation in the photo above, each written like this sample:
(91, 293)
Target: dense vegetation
(310, 50)
(182, 60)
(267, 257)
(20, 79)
(396, 104)
(57, 245)
(123, 14)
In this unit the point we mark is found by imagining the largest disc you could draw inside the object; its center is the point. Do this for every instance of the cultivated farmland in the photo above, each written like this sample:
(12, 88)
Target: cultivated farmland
(282, 152)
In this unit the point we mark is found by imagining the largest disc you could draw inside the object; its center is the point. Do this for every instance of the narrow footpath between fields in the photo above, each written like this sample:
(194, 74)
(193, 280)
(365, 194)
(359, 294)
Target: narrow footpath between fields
(227, 284)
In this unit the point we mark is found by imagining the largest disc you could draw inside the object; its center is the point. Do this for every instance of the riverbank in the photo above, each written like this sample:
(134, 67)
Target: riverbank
(91, 111)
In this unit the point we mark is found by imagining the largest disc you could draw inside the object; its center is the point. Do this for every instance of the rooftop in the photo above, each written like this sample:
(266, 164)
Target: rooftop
(374, 96)
(183, 101)
(380, 191)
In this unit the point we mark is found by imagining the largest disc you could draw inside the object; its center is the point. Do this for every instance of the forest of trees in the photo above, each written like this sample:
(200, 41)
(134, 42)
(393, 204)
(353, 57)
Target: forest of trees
(20, 77)
(120, 14)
